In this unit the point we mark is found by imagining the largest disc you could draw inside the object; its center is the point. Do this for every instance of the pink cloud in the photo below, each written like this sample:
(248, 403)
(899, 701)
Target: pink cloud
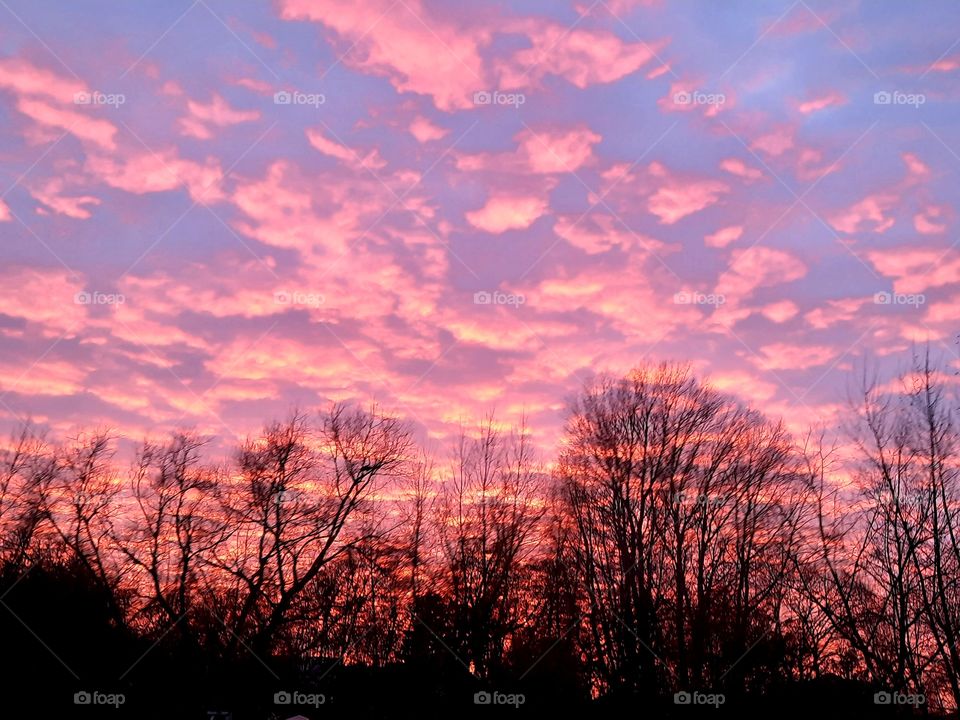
(756, 267)
(264, 39)
(99, 132)
(625, 299)
(583, 57)
(45, 377)
(425, 131)
(507, 212)
(50, 194)
(781, 311)
(916, 269)
(316, 215)
(916, 169)
(26, 79)
(248, 290)
(420, 51)
(281, 209)
(5, 214)
(832, 99)
(946, 64)
(786, 356)
(658, 71)
(724, 236)
(675, 197)
(44, 297)
(809, 166)
(557, 151)
(617, 7)
(258, 86)
(799, 20)
(930, 221)
(171, 88)
(321, 142)
(834, 312)
(736, 166)
(744, 384)
(541, 151)
(944, 311)
(867, 214)
(417, 51)
(598, 233)
(204, 119)
(158, 172)
(776, 142)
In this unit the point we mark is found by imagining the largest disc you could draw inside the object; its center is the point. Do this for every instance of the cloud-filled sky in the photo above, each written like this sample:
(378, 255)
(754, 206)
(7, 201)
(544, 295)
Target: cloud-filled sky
(211, 211)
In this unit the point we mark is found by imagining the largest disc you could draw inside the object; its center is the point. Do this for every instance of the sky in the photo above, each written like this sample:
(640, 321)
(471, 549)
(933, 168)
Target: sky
(212, 211)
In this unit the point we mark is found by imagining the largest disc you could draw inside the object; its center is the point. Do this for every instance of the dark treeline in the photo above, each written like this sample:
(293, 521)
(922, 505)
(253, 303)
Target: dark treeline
(682, 554)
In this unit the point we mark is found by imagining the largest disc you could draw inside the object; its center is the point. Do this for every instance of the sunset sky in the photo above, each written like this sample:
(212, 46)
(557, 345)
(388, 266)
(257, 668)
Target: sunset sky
(213, 211)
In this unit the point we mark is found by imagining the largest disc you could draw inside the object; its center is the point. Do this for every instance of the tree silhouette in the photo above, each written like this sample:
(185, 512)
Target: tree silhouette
(681, 545)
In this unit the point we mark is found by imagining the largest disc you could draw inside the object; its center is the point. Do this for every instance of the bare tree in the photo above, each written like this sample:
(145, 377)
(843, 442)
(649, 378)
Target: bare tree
(27, 469)
(171, 525)
(683, 504)
(488, 511)
(82, 508)
(297, 496)
(888, 559)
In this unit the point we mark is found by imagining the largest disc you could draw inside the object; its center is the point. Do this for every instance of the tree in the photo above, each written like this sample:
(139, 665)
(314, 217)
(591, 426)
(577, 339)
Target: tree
(170, 527)
(291, 510)
(27, 469)
(888, 560)
(683, 504)
(487, 513)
